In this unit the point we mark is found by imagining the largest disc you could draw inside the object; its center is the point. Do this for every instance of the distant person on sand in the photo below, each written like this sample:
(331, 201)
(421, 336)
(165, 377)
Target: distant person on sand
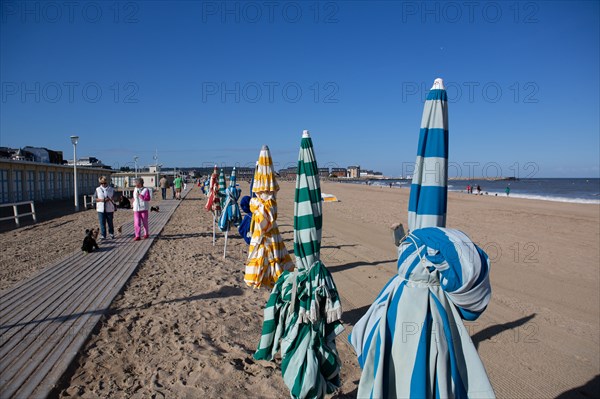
(468, 189)
(141, 199)
(164, 184)
(105, 207)
(507, 190)
(178, 184)
(478, 189)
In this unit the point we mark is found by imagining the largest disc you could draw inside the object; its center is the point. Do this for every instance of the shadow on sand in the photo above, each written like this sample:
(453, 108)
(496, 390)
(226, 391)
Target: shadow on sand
(591, 389)
(339, 268)
(222, 292)
(491, 331)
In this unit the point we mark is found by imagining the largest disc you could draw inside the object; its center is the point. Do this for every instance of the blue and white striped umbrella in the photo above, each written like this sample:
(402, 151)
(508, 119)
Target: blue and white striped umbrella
(412, 342)
(429, 190)
(231, 215)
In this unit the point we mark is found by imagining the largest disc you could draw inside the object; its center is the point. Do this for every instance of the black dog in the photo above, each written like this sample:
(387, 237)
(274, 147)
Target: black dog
(124, 203)
(155, 209)
(89, 242)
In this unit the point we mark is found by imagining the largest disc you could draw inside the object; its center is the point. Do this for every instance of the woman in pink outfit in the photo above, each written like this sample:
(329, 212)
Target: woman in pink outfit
(141, 204)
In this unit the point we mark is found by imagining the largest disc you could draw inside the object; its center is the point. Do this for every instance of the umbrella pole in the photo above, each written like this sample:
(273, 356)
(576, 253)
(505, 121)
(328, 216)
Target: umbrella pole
(225, 247)
(214, 221)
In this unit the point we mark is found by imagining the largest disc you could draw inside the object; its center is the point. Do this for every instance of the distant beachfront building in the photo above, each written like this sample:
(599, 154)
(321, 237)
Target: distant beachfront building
(32, 154)
(370, 173)
(353, 171)
(338, 172)
(124, 180)
(324, 172)
(288, 173)
(90, 162)
(241, 172)
(23, 180)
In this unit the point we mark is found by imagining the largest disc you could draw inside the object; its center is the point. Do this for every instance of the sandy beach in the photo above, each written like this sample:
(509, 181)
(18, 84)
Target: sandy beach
(186, 325)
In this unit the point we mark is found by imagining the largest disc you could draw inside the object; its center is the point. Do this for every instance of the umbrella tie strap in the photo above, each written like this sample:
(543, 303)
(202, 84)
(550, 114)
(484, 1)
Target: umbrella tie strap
(295, 286)
(422, 284)
(295, 283)
(410, 237)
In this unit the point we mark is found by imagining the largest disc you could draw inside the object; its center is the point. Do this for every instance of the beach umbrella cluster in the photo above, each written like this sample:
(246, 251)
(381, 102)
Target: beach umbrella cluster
(442, 278)
(230, 215)
(267, 254)
(213, 203)
(303, 312)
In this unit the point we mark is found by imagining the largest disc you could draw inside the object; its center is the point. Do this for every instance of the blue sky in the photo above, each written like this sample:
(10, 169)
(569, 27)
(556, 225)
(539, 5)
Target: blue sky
(211, 82)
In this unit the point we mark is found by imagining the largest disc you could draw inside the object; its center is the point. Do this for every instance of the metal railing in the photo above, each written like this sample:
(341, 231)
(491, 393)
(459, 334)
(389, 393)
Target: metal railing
(91, 203)
(18, 215)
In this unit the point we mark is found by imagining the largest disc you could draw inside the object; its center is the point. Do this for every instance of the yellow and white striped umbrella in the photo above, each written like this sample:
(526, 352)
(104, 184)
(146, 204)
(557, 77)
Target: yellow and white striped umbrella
(267, 256)
(264, 175)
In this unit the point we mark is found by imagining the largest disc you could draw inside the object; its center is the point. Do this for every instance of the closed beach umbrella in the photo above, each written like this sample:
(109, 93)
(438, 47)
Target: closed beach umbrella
(302, 315)
(267, 254)
(222, 188)
(429, 190)
(412, 342)
(211, 204)
(244, 227)
(231, 215)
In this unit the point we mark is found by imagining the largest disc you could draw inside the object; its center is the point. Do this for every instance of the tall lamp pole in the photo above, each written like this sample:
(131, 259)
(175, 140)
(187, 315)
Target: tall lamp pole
(74, 140)
(135, 159)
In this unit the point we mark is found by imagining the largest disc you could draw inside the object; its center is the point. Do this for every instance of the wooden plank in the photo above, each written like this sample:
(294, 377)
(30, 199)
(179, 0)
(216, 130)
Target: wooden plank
(63, 313)
(52, 329)
(37, 282)
(38, 307)
(51, 315)
(34, 373)
(30, 290)
(37, 299)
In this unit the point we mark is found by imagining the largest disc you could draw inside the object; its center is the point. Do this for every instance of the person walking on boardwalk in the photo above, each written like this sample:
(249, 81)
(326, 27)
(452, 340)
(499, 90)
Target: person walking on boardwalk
(105, 207)
(178, 184)
(164, 184)
(141, 199)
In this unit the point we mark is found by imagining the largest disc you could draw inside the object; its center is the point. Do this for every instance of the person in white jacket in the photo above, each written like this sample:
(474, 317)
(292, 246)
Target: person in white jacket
(141, 205)
(105, 207)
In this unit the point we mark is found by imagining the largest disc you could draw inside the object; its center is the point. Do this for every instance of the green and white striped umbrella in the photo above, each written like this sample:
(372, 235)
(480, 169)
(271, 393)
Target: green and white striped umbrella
(302, 315)
(222, 188)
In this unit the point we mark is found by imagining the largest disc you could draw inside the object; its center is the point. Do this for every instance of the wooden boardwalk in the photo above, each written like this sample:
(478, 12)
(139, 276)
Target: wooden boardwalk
(45, 320)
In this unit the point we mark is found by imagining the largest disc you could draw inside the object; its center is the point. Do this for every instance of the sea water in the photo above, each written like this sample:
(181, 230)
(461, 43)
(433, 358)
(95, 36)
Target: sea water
(577, 190)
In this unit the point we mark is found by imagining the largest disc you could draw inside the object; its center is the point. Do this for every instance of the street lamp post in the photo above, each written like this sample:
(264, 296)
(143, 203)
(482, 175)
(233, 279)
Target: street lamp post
(135, 159)
(74, 140)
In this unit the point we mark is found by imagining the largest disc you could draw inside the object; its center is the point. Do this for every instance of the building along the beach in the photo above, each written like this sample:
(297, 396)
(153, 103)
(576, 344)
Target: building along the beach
(353, 171)
(23, 180)
(338, 172)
